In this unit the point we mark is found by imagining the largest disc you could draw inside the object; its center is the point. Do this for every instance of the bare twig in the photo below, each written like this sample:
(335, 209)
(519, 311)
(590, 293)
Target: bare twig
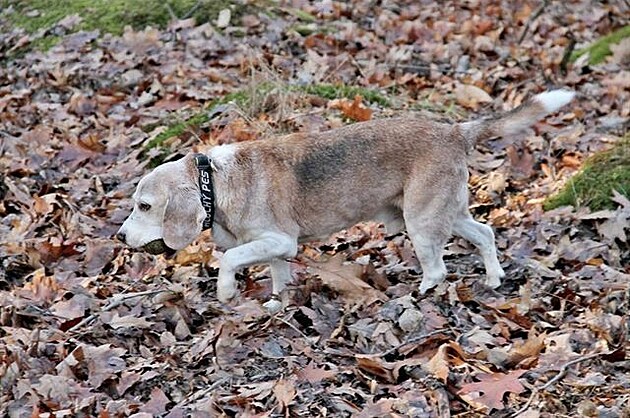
(358, 67)
(170, 11)
(296, 329)
(409, 341)
(531, 19)
(114, 302)
(561, 373)
(192, 10)
(200, 394)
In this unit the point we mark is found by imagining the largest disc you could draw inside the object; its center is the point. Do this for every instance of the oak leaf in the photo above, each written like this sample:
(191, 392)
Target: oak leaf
(448, 354)
(471, 96)
(314, 374)
(344, 278)
(353, 109)
(284, 390)
(492, 387)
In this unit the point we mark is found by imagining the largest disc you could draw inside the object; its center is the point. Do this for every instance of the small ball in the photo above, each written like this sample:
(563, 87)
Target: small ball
(155, 247)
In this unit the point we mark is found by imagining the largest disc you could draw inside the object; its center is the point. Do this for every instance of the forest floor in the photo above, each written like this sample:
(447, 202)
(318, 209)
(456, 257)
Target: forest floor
(89, 327)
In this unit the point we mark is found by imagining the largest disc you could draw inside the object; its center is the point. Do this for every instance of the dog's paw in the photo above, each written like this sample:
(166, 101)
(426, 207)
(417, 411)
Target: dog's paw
(429, 281)
(273, 306)
(226, 293)
(494, 276)
(427, 285)
(494, 281)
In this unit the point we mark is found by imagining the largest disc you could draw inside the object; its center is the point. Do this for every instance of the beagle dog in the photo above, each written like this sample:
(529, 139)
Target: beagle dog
(269, 195)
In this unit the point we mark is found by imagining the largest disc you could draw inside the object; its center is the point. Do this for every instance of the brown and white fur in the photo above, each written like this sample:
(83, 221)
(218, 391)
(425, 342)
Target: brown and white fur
(408, 173)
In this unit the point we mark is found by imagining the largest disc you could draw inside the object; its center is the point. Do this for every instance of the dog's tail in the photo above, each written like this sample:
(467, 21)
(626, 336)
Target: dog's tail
(518, 119)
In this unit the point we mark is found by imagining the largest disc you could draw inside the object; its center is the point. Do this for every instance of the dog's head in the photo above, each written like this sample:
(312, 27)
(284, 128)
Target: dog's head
(167, 213)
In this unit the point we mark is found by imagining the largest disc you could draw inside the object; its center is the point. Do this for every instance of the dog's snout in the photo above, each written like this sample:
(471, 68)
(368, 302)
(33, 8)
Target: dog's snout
(121, 236)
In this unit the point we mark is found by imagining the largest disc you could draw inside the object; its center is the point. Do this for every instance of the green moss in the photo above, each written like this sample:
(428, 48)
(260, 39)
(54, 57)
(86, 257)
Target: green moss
(195, 121)
(109, 16)
(337, 91)
(593, 185)
(449, 109)
(600, 49)
(252, 100)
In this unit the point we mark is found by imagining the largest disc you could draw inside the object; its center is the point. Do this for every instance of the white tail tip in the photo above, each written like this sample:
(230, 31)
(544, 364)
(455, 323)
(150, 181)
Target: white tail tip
(555, 99)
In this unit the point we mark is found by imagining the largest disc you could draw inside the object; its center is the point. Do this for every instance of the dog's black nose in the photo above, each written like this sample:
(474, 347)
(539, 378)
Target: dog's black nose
(121, 236)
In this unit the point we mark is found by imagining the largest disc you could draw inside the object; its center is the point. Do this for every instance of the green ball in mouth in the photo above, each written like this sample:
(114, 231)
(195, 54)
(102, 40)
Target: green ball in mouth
(157, 246)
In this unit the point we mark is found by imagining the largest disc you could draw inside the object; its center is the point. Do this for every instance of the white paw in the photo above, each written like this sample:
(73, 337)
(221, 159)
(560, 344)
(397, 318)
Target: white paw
(432, 278)
(494, 274)
(430, 283)
(273, 306)
(494, 280)
(226, 292)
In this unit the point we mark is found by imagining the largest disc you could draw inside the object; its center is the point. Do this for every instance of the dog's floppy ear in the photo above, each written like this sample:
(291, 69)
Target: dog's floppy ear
(183, 217)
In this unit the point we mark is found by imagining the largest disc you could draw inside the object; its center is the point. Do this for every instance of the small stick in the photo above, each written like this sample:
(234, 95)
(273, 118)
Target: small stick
(170, 11)
(114, 302)
(410, 341)
(563, 370)
(531, 19)
(197, 395)
(296, 329)
(192, 10)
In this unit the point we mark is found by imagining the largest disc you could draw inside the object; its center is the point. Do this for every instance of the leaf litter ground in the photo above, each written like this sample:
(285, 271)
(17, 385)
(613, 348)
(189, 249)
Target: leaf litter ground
(90, 328)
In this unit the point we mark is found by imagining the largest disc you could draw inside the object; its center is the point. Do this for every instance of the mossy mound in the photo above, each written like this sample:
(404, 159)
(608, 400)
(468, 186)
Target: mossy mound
(600, 49)
(593, 185)
(108, 16)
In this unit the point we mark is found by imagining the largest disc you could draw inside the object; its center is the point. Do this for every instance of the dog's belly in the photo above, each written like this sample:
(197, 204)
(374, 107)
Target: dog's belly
(334, 219)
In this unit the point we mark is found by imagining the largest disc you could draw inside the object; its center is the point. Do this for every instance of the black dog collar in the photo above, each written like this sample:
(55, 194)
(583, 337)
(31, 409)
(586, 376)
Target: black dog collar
(205, 186)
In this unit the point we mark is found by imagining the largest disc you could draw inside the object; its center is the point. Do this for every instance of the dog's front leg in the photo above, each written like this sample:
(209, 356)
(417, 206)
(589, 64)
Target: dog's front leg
(263, 250)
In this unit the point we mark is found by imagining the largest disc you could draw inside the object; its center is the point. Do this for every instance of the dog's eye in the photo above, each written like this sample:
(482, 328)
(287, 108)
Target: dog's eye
(144, 207)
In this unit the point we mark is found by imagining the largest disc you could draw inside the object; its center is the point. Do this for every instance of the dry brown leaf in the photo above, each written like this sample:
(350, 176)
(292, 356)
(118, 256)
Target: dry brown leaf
(377, 367)
(352, 109)
(492, 387)
(523, 162)
(72, 308)
(284, 390)
(42, 287)
(471, 96)
(448, 354)
(344, 278)
(157, 402)
(314, 374)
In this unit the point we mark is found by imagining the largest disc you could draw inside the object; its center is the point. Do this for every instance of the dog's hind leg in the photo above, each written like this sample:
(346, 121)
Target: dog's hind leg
(392, 218)
(482, 237)
(428, 221)
(280, 276)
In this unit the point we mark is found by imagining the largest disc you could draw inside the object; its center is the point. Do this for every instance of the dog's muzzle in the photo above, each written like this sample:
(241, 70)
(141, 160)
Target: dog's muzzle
(158, 246)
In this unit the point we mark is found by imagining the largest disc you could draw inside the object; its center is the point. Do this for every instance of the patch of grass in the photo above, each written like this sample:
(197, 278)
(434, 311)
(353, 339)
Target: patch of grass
(337, 91)
(600, 49)
(109, 16)
(449, 109)
(195, 120)
(593, 185)
(253, 99)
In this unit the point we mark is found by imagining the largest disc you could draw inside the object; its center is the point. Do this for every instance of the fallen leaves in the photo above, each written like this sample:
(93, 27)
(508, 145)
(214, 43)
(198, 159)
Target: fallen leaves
(91, 328)
(344, 278)
(491, 388)
(352, 109)
(471, 96)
